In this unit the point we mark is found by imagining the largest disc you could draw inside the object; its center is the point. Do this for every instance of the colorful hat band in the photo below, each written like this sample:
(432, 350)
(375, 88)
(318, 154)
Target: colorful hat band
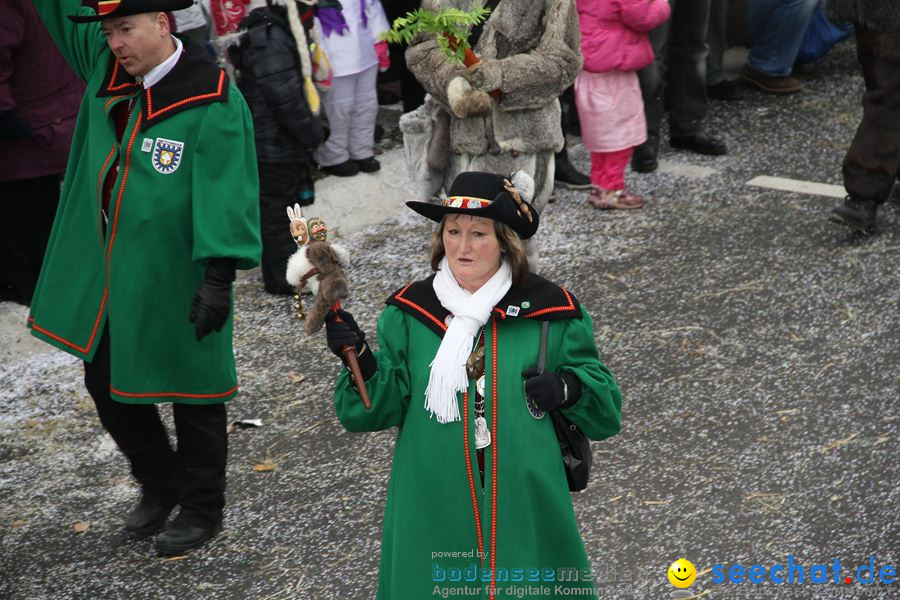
(465, 202)
(104, 7)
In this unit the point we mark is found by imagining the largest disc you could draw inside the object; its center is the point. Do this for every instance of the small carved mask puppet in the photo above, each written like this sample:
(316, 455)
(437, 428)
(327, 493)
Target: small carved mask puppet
(299, 229)
(318, 231)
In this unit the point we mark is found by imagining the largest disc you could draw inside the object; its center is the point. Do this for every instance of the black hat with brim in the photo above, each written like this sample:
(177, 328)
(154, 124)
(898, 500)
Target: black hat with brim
(110, 9)
(483, 195)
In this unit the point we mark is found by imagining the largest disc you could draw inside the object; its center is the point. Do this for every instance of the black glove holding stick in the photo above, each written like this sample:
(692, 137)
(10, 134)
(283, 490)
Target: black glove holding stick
(547, 389)
(212, 302)
(347, 341)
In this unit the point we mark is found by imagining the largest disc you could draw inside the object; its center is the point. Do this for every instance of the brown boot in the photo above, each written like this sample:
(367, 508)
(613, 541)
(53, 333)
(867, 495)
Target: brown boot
(770, 83)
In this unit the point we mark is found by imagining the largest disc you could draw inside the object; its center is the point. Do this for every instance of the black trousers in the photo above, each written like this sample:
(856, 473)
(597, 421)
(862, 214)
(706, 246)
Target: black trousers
(27, 210)
(192, 474)
(677, 77)
(280, 185)
(872, 162)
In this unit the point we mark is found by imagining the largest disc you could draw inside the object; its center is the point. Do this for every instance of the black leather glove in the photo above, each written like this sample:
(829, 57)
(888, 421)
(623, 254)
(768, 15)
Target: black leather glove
(551, 391)
(345, 332)
(212, 302)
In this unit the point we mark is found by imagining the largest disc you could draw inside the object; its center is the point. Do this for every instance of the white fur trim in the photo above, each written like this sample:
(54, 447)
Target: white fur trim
(524, 184)
(299, 265)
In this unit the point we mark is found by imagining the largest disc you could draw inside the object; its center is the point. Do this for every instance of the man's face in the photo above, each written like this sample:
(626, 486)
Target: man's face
(139, 42)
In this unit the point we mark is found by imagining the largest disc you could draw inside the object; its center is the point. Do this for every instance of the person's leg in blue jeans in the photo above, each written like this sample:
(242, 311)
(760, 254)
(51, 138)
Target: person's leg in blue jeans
(776, 29)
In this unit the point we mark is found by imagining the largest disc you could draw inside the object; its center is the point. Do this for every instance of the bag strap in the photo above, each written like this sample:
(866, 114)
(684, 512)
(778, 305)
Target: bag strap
(542, 353)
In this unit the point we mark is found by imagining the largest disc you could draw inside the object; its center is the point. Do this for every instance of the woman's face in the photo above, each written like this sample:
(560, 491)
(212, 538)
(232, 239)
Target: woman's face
(472, 249)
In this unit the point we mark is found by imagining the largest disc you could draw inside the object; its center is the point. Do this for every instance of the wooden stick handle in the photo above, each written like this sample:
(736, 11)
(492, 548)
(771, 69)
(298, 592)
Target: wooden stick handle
(353, 363)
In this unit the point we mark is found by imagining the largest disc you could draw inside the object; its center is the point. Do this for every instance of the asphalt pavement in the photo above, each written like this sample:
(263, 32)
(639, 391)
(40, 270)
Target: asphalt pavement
(757, 346)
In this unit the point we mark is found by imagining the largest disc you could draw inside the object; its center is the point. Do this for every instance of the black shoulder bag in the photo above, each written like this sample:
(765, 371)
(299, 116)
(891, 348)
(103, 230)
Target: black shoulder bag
(574, 446)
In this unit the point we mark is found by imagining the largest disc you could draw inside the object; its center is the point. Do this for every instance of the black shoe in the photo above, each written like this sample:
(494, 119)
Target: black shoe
(148, 516)
(348, 168)
(725, 90)
(568, 176)
(185, 534)
(856, 213)
(367, 165)
(644, 159)
(700, 143)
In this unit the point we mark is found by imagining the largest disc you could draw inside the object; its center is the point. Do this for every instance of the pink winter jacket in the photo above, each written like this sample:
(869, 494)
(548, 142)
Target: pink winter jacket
(614, 32)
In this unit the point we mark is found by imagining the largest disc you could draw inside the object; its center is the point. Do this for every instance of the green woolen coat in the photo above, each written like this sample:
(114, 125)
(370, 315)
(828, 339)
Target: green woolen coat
(522, 518)
(139, 276)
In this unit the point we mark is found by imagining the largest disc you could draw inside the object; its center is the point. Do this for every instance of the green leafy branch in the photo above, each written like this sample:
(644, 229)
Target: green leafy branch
(450, 25)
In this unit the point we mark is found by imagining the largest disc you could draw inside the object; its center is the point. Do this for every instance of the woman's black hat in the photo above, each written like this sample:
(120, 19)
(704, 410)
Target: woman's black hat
(490, 196)
(109, 9)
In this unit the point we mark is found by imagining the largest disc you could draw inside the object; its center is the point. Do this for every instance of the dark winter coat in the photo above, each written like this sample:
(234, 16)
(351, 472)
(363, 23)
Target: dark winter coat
(269, 76)
(877, 15)
(39, 96)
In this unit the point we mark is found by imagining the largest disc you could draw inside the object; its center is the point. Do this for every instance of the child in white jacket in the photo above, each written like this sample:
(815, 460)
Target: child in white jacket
(350, 38)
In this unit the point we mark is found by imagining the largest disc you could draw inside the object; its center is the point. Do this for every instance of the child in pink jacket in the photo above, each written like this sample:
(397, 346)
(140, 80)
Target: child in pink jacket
(615, 45)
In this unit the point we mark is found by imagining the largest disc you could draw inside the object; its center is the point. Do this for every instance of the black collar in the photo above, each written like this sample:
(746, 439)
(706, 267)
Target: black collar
(193, 81)
(534, 298)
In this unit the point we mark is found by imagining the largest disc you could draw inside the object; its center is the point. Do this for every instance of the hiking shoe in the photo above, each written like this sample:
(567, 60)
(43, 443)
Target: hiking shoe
(367, 165)
(568, 176)
(771, 83)
(348, 168)
(148, 516)
(725, 90)
(700, 143)
(644, 159)
(184, 535)
(856, 213)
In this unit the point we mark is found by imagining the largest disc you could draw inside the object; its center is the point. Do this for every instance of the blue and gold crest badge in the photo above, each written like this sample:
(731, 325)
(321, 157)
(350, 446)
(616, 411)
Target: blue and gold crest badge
(167, 155)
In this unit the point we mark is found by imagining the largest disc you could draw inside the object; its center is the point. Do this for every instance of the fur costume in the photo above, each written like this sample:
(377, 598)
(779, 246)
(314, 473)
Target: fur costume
(332, 283)
(531, 52)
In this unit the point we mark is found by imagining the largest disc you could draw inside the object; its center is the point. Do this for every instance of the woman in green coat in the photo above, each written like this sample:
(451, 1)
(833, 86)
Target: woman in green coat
(478, 503)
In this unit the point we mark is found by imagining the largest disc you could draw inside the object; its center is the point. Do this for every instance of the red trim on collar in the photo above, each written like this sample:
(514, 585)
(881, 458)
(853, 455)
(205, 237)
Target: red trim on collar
(410, 303)
(152, 115)
(552, 309)
(114, 88)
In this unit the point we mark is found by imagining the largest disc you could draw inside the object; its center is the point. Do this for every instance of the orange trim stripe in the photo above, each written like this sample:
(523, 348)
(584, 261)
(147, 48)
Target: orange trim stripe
(469, 472)
(115, 74)
(112, 233)
(551, 309)
(113, 99)
(153, 115)
(100, 178)
(437, 321)
(495, 414)
(82, 349)
(172, 394)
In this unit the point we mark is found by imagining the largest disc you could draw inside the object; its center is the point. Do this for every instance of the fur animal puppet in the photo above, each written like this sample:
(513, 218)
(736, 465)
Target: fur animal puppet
(305, 231)
(332, 282)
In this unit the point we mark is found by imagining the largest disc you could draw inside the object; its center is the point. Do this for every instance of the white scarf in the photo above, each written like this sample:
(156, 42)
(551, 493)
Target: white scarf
(470, 311)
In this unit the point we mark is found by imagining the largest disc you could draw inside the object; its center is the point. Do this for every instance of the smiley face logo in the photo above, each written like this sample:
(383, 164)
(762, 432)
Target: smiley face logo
(682, 573)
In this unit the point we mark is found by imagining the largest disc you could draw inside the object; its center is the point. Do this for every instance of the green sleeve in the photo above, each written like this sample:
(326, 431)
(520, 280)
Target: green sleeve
(598, 413)
(389, 388)
(82, 44)
(225, 185)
